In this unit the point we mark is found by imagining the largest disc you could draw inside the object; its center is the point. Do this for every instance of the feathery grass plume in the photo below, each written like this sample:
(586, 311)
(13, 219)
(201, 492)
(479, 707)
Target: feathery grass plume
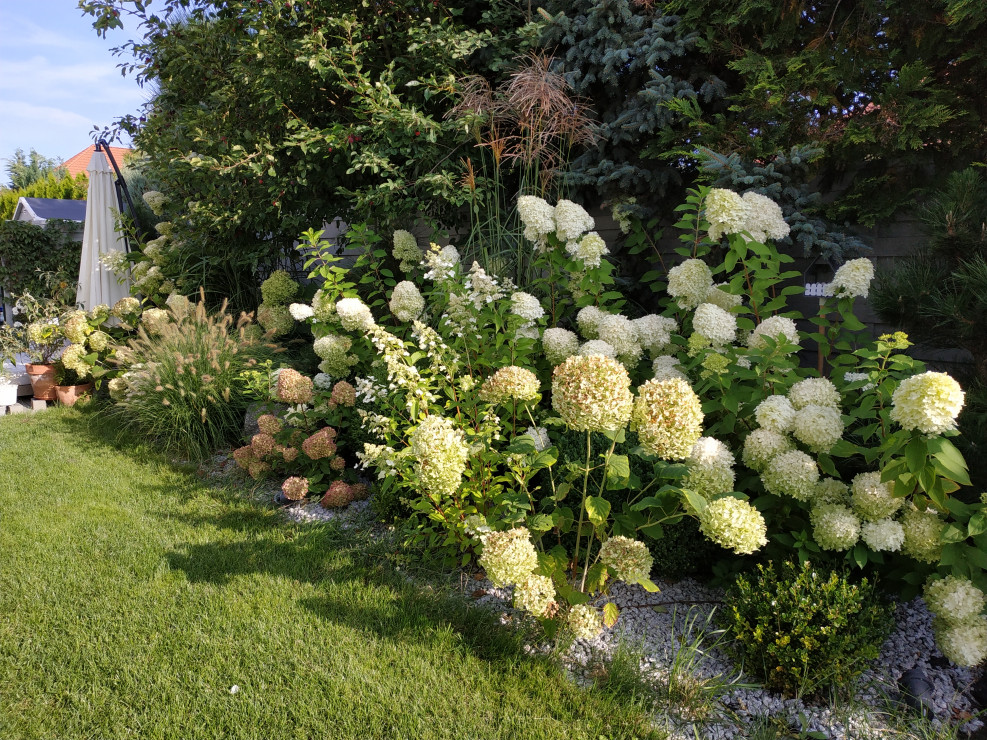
(184, 384)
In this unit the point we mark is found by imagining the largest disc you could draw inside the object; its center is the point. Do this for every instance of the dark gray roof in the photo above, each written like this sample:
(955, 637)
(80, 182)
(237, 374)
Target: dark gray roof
(46, 208)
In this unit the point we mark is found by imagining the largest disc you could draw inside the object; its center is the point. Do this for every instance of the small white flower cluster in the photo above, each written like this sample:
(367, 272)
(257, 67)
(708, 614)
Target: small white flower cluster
(301, 311)
(715, 324)
(354, 315)
(668, 417)
(818, 427)
(483, 288)
(629, 558)
(508, 557)
(528, 308)
(597, 347)
(400, 372)
(559, 344)
(588, 319)
(857, 378)
(791, 473)
(764, 218)
(690, 283)
(618, 331)
(369, 391)
(539, 436)
(333, 350)
(961, 629)
(928, 402)
(710, 468)
(726, 213)
(817, 391)
(654, 332)
(440, 453)
(538, 218)
(778, 328)
(536, 594)
(406, 301)
(884, 535)
(441, 263)
(775, 413)
(923, 534)
(852, 279)
(584, 621)
(571, 221)
(763, 445)
(384, 459)
(592, 393)
(666, 367)
(589, 250)
(156, 201)
(734, 524)
(406, 250)
(510, 383)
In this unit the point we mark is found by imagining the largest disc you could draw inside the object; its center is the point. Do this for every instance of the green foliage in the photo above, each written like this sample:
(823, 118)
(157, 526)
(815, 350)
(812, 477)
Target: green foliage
(630, 60)
(272, 117)
(50, 186)
(183, 380)
(803, 630)
(28, 250)
(888, 88)
(25, 170)
(786, 178)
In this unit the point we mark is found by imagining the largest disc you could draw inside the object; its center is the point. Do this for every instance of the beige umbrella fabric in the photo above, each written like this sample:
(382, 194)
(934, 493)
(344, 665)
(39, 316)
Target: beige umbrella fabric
(98, 283)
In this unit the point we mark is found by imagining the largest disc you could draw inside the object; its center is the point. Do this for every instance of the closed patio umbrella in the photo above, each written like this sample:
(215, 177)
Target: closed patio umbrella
(97, 283)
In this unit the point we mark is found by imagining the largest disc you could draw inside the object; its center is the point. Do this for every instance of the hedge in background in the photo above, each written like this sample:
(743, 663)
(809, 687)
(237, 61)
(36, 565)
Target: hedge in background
(27, 250)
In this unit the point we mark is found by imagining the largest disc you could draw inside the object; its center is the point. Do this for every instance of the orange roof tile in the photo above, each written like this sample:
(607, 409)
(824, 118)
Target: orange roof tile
(78, 163)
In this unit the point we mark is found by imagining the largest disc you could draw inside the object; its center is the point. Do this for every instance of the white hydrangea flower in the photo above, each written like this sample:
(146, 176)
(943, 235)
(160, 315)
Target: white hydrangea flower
(559, 344)
(852, 279)
(964, 643)
(834, 526)
(775, 413)
(597, 347)
(629, 558)
(668, 417)
(764, 218)
(690, 283)
(710, 468)
(954, 599)
(818, 427)
(300, 311)
(726, 213)
(929, 402)
(791, 473)
(588, 320)
(508, 557)
(538, 218)
(536, 595)
(440, 452)
(406, 303)
(856, 378)
(654, 332)
(762, 446)
(571, 220)
(323, 382)
(406, 250)
(441, 262)
(717, 325)
(884, 535)
(778, 328)
(719, 297)
(831, 491)
(540, 437)
(585, 621)
(618, 331)
(592, 393)
(354, 314)
(923, 532)
(734, 524)
(484, 288)
(872, 499)
(818, 391)
(526, 306)
(589, 250)
(667, 367)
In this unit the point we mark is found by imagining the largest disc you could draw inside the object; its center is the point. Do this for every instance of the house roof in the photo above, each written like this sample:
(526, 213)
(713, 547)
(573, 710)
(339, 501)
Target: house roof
(39, 210)
(77, 164)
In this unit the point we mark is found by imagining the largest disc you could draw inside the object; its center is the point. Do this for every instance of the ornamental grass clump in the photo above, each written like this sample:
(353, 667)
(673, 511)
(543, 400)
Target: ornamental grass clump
(802, 629)
(184, 385)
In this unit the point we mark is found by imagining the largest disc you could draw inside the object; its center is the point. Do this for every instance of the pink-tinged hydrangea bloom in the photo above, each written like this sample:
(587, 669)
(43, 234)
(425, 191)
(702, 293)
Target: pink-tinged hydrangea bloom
(293, 387)
(668, 417)
(508, 557)
(592, 393)
(295, 488)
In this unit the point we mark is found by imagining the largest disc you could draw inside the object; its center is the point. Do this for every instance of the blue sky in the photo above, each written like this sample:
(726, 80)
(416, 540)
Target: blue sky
(58, 78)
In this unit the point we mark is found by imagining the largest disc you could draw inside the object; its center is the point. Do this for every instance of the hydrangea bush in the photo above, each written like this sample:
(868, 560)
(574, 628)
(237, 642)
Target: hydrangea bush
(467, 381)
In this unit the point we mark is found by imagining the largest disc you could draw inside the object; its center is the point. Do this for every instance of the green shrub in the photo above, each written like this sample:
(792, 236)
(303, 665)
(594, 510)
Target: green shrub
(28, 251)
(804, 629)
(184, 386)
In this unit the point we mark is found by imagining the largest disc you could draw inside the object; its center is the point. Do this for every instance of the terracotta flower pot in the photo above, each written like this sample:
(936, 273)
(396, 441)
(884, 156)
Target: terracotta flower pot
(69, 394)
(42, 381)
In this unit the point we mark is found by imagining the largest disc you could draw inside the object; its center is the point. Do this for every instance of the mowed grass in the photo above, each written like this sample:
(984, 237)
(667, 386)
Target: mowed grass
(133, 598)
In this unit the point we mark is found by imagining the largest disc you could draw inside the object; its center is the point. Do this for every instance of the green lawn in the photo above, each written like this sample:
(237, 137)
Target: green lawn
(133, 597)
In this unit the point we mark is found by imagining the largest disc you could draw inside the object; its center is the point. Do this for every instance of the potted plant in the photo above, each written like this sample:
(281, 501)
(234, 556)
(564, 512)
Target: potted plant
(11, 344)
(70, 382)
(43, 334)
